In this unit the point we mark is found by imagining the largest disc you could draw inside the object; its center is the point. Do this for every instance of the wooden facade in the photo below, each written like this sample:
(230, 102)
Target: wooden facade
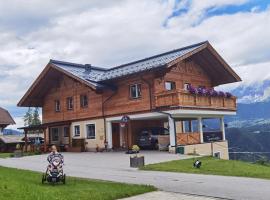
(153, 95)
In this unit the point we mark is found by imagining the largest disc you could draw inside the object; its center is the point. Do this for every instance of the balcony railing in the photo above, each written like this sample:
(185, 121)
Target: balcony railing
(194, 137)
(186, 99)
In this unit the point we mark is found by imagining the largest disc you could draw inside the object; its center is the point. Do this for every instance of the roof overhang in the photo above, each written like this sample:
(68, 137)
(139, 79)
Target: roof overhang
(212, 63)
(47, 78)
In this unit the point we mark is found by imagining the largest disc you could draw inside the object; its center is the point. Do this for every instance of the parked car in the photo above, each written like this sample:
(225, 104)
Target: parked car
(35, 140)
(148, 137)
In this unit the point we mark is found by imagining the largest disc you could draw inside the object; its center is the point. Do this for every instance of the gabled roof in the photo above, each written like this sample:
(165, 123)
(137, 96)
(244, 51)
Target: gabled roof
(5, 117)
(97, 77)
(98, 74)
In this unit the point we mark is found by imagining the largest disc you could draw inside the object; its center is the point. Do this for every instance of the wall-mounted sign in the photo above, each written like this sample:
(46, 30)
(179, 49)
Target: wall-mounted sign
(211, 136)
(125, 119)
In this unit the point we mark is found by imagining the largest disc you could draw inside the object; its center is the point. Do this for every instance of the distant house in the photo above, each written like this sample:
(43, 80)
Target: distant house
(5, 119)
(7, 142)
(84, 104)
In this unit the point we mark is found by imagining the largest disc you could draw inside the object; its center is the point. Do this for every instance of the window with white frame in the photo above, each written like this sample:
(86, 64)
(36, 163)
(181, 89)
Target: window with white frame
(57, 105)
(186, 85)
(55, 134)
(91, 131)
(170, 85)
(70, 103)
(77, 131)
(135, 91)
(84, 100)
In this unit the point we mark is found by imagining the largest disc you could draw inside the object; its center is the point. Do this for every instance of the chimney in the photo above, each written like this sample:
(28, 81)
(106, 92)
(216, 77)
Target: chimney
(87, 67)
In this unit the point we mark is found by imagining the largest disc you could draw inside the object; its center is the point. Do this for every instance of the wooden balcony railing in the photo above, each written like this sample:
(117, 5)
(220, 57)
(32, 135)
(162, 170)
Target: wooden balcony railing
(186, 99)
(188, 138)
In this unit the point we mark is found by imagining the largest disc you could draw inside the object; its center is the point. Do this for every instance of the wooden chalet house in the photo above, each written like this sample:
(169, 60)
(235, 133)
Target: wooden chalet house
(84, 104)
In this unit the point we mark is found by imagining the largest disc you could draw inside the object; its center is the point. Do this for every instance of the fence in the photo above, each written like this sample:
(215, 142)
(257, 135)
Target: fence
(249, 156)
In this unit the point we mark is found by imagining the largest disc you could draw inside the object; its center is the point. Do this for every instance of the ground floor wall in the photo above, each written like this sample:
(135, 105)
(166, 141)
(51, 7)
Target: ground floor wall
(215, 148)
(93, 141)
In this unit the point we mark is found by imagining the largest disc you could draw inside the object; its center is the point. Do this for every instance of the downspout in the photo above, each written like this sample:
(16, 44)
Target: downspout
(170, 115)
(149, 91)
(103, 112)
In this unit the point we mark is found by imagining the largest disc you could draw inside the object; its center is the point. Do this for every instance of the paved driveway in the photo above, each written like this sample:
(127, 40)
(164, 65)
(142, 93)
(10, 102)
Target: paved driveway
(115, 167)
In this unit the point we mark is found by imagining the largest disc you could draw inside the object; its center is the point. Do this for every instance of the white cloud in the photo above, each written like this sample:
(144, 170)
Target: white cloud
(114, 32)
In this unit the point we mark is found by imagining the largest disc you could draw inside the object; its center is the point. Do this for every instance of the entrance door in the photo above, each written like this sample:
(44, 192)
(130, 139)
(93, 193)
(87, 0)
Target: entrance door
(116, 135)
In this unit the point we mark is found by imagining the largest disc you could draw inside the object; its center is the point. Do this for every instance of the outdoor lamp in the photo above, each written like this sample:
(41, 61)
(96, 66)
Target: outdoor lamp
(197, 164)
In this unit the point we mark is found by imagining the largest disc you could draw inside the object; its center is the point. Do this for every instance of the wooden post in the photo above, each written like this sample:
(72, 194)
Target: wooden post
(25, 139)
(45, 132)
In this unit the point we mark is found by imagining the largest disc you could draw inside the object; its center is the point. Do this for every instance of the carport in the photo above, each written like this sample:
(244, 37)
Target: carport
(185, 127)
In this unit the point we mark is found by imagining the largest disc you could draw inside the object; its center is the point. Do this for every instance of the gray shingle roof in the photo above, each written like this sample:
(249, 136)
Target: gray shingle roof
(96, 75)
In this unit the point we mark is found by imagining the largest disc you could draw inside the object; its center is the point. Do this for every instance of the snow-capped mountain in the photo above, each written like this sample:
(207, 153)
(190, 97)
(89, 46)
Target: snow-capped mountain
(255, 92)
(253, 105)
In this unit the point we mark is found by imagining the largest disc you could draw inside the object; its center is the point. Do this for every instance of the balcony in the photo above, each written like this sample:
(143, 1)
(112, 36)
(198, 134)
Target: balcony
(186, 99)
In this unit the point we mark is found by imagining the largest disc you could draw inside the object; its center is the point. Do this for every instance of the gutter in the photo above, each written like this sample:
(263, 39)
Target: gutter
(149, 91)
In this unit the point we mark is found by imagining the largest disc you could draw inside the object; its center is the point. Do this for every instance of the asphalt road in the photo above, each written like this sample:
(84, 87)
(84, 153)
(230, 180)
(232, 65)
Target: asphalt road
(114, 167)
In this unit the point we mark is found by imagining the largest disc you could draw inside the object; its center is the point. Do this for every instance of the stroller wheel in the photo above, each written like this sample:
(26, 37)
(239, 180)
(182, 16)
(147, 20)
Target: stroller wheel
(64, 179)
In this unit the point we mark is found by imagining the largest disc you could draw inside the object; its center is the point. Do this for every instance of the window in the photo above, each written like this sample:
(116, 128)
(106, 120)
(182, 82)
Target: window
(135, 91)
(77, 130)
(186, 85)
(84, 100)
(170, 85)
(91, 131)
(66, 131)
(57, 106)
(55, 134)
(70, 103)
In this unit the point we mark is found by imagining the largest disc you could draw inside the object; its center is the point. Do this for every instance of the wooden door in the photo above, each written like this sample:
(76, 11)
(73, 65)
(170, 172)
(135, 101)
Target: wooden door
(115, 135)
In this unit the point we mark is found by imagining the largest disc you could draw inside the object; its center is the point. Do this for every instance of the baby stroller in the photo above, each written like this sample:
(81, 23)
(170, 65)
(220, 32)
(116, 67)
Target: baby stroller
(54, 173)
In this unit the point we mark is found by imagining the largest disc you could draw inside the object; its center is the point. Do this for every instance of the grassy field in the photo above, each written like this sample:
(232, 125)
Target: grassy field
(8, 155)
(26, 185)
(213, 166)
(5, 155)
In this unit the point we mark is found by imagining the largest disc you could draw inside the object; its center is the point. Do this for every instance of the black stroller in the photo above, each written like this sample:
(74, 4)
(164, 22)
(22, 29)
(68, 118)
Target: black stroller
(54, 173)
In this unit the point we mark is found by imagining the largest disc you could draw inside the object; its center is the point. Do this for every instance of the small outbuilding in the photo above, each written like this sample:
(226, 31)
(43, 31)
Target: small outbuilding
(5, 119)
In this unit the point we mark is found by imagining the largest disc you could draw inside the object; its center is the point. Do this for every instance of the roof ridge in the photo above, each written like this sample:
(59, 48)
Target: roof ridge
(75, 64)
(158, 55)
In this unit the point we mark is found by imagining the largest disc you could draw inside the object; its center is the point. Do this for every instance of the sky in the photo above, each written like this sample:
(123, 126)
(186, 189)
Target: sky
(107, 33)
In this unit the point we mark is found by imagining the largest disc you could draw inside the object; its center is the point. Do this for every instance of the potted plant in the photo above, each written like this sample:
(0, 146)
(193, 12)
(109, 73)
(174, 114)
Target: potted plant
(18, 152)
(136, 161)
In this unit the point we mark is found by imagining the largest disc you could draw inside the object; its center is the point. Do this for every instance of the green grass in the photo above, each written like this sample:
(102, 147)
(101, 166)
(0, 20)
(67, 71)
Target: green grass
(8, 155)
(213, 166)
(26, 185)
(5, 155)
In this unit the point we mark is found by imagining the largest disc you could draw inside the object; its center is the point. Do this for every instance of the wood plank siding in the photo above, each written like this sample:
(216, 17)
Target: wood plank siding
(153, 94)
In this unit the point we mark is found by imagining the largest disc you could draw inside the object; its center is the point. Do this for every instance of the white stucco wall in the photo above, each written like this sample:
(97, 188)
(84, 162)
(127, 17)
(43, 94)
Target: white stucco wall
(91, 144)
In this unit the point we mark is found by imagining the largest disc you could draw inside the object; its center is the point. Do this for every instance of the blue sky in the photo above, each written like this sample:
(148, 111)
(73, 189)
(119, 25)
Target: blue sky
(109, 33)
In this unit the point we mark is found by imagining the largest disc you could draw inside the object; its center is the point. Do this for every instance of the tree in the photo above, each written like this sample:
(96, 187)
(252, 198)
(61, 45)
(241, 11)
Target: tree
(32, 117)
(36, 119)
(28, 117)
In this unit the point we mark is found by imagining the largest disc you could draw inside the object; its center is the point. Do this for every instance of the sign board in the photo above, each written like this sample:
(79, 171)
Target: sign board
(125, 119)
(212, 136)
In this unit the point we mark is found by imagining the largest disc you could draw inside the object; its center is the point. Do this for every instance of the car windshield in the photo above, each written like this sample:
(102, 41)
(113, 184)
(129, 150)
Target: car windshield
(145, 133)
